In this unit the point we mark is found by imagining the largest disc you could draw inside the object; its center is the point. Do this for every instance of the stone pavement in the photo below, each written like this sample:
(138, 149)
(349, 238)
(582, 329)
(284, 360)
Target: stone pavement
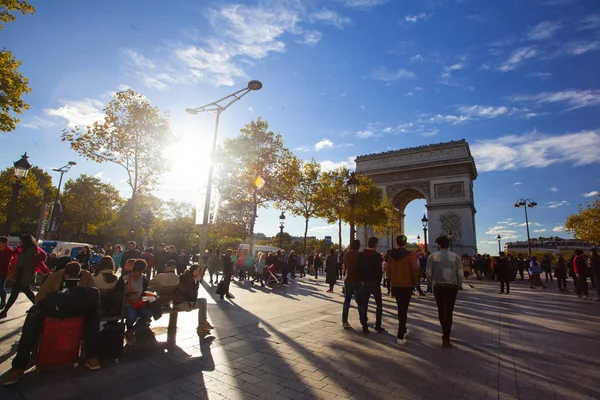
(288, 343)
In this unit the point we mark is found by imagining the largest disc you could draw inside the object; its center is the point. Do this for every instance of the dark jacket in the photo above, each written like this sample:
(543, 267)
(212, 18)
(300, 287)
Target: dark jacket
(187, 288)
(160, 259)
(129, 254)
(369, 266)
(502, 269)
(595, 265)
(26, 266)
(331, 272)
(350, 265)
(227, 266)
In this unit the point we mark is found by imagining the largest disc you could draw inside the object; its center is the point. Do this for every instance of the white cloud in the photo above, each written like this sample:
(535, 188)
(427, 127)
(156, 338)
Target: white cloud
(325, 143)
(505, 232)
(302, 148)
(486, 112)
(363, 3)
(572, 98)
(99, 175)
(556, 204)
(558, 229)
(579, 48)
(78, 113)
(330, 17)
(447, 119)
(328, 165)
(37, 122)
(417, 17)
(323, 228)
(539, 230)
(536, 150)
(553, 189)
(387, 129)
(416, 58)
(543, 30)
(430, 133)
(517, 57)
(310, 38)
(517, 183)
(591, 194)
(540, 75)
(382, 74)
(590, 22)
(364, 134)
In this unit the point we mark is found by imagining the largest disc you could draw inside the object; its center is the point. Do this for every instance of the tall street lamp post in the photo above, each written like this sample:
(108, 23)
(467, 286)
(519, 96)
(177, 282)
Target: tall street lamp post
(424, 220)
(21, 168)
(352, 189)
(217, 108)
(526, 203)
(499, 239)
(54, 217)
(281, 225)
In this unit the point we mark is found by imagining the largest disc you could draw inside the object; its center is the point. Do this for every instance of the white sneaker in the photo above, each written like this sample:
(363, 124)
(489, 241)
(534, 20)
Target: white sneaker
(406, 334)
(401, 341)
(346, 325)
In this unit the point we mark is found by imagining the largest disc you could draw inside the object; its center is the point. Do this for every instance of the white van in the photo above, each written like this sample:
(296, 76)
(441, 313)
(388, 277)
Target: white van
(70, 249)
(258, 249)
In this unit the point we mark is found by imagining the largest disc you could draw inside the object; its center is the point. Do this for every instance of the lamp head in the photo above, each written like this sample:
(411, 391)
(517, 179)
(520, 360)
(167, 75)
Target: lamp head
(191, 111)
(282, 219)
(352, 184)
(532, 204)
(424, 220)
(255, 85)
(72, 163)
(22, 166)
(498, 237)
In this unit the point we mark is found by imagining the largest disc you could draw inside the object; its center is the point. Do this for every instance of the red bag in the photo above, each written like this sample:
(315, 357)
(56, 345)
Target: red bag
(61, 342)
(136, 304)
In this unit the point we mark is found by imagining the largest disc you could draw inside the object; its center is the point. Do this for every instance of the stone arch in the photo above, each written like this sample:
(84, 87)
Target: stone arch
(442, 174)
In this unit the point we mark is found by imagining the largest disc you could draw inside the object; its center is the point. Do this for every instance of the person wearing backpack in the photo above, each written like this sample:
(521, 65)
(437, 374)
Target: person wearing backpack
(580, 269)
(69, 300)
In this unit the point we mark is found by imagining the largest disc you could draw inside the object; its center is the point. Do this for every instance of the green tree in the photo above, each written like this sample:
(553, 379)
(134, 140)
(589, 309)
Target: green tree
(391, 224)
(303, 195)
(13, 84)
(585, 225)
(369, 210)
(37, 189)
(132, 135)
(88, 205)
(334, 197)
(252, 169)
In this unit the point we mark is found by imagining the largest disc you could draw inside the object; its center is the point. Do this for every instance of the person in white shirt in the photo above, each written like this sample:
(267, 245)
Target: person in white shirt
(444, 270)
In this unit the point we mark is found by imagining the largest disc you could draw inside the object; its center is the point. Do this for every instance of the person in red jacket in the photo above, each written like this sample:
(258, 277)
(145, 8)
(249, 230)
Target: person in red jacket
(6, 255)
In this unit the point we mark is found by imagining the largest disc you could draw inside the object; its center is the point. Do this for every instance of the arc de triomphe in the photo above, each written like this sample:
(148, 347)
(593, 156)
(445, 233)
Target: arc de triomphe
(443, 175)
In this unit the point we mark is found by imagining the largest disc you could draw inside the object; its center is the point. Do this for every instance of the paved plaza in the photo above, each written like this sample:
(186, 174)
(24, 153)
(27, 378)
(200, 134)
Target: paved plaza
(288, 343)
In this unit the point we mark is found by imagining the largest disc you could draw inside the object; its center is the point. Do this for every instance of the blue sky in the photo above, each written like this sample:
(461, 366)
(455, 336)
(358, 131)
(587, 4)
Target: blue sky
(517, 79)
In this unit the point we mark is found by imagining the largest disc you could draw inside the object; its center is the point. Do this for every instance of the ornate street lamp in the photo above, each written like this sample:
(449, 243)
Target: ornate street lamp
(21, 169)
(526, 203)
(424, 221)
(281, 225)
(419, 240)
(352, 189)
(217, 108)
(499, 239)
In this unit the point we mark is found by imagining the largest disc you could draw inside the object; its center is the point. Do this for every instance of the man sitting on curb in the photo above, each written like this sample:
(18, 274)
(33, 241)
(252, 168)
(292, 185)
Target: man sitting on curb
(65, 302)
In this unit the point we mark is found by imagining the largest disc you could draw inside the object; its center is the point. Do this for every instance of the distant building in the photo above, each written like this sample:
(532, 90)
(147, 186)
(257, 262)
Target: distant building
(550, 245)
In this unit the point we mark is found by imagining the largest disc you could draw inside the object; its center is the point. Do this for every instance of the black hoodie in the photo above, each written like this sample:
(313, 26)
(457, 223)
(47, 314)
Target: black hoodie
(369, 266)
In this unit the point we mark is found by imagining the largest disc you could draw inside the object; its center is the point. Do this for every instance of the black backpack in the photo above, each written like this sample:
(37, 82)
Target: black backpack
(70, 302)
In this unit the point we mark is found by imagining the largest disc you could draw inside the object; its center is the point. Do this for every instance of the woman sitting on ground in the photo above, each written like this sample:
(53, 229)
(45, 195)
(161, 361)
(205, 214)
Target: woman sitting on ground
(186, 297)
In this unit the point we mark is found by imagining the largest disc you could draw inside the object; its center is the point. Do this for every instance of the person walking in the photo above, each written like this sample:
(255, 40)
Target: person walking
(227, 272)
(595, 267)
(503, 273)
(351, 282)
(370, 274)
(561, 273)
(521, 267)
(444, 269)
(404, 275)
(331, 270)
(24, 271)
(6, 255)
(579, 266)
(547, 268)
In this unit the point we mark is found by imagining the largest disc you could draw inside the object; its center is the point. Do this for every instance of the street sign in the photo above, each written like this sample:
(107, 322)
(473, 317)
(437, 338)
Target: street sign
(328, 240)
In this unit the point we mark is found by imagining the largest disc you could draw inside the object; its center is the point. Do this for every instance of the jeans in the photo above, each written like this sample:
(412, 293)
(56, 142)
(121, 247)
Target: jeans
(403, 296)
(371, 288)
(2, 290)
(445, 297)
(507, 283)
(32, 329)
(131, 317)
(351, 289)
(14, 293)
(548, 273)
(582, 285)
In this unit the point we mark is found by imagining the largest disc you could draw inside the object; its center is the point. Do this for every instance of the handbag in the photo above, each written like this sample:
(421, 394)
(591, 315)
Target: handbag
(136, 304)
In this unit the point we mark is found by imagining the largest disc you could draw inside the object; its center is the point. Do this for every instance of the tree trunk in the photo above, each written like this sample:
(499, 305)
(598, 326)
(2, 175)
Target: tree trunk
(340, 232)
(305, 233)
(132, 218)
(366, 234)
